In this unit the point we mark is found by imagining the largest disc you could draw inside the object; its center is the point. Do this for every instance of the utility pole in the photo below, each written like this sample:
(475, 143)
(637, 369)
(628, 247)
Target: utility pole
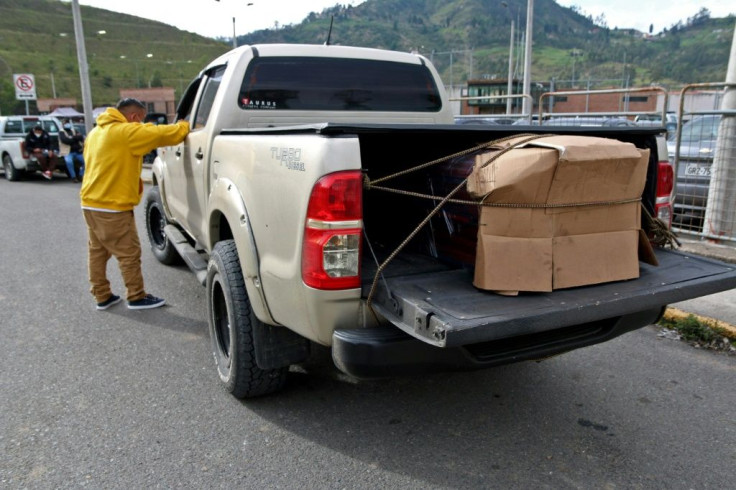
(83, 68)
(720, 210)
(510, 84)
(527, 106)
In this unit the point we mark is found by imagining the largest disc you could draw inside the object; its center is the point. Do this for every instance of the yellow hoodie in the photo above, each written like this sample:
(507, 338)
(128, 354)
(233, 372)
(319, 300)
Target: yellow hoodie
(113, 159)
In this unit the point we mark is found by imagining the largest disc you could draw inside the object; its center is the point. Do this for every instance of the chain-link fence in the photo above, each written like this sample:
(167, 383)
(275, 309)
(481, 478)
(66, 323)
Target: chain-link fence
(703, 153)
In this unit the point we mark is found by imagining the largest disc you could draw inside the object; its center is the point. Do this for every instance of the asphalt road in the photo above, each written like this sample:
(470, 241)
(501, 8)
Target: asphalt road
(130, 399)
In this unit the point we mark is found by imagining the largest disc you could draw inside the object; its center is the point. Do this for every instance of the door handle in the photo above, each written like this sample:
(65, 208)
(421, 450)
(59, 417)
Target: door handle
(178, 152)
(199, 154)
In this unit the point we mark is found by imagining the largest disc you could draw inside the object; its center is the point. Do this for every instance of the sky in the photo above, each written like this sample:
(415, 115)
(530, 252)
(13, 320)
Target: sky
(214, 18)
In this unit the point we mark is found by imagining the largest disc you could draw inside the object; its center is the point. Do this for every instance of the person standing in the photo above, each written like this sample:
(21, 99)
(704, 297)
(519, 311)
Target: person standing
(38, 144)
(111, 188)
(71, 143)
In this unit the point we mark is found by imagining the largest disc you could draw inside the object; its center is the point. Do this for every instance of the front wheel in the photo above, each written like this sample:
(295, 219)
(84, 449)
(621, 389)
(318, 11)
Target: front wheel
(161, 246)
(231, 321)
(11, 173)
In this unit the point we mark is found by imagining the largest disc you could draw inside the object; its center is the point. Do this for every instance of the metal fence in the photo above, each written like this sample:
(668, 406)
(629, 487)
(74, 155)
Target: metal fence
(703, 153)
(701, 144)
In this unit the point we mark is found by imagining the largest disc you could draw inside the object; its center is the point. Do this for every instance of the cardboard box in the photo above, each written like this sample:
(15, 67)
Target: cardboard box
(547, 248)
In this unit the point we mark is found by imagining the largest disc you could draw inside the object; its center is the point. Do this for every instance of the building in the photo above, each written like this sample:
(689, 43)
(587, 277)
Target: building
(157, 99)
(481, 97)
(49, 105)
(485, 96)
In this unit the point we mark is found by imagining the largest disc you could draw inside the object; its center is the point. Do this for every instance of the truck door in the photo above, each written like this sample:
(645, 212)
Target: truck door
(188, 177)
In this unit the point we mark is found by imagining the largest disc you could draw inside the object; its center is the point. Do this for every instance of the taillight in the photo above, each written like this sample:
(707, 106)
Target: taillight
(23, 151)
(332, 234)
(665, 185)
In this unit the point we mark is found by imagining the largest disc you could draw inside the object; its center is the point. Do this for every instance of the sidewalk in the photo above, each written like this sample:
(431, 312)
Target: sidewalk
(719, 306)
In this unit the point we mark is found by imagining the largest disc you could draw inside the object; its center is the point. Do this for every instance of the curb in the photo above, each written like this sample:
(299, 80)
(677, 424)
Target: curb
(726, 329)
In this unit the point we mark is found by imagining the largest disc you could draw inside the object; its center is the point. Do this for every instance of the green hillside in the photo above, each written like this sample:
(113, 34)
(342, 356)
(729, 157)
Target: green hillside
(694, 50)
(464, 38)
(37, 36)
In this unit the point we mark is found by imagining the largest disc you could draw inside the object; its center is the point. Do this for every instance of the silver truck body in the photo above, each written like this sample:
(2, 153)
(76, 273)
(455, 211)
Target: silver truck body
(233, 201)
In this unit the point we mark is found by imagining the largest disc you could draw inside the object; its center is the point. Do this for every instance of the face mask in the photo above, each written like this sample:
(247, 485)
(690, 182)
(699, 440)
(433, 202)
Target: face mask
(38, 135)
(67, 126)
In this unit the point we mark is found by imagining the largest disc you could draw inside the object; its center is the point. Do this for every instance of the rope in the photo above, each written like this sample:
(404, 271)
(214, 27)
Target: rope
(505, 204)
(367, 183)
(662, 236)
(489, 144)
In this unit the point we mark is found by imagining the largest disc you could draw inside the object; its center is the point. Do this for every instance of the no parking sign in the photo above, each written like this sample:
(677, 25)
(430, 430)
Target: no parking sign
(25, 86)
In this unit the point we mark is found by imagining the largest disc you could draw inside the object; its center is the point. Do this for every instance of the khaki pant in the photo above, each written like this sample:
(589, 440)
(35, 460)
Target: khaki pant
(114, 234)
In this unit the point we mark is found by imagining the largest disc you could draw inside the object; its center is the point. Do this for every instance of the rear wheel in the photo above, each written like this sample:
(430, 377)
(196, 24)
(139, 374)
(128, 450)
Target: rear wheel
(231, 321)
(161, 246)
(11, 173)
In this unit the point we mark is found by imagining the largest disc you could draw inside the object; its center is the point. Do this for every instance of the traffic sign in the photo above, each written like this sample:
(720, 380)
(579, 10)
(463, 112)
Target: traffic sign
(25, 86)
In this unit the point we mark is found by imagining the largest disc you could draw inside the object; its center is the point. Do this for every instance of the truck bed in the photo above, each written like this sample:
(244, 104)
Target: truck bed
(443, 308)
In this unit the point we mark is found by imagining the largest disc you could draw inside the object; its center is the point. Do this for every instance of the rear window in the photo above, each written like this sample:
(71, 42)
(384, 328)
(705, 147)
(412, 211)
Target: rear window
(335, 84)
(20, 126)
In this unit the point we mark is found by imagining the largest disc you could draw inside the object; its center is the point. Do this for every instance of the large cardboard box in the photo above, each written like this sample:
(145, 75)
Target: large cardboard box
(543, 248)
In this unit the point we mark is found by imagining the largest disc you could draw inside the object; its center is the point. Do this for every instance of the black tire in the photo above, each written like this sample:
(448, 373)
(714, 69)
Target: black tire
(231, 322)
(12, 173)
(161, 246)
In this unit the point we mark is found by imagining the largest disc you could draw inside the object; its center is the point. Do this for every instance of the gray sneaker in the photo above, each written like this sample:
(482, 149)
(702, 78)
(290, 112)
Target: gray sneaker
(146, 302)
(112, 300)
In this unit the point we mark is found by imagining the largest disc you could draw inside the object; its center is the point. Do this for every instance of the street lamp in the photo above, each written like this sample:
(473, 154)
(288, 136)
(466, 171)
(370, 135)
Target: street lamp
(235, 39)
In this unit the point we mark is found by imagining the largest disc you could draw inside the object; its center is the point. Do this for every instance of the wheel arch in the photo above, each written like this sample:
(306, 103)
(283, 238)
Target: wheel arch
(228, 218)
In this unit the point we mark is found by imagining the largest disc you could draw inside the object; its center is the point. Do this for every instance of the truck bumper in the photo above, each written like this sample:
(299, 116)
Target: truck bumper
(439, 320)
(386, 351)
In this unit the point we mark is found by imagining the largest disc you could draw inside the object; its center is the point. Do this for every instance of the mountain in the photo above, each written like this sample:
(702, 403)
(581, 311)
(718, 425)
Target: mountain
(567, 45)
(464, 38)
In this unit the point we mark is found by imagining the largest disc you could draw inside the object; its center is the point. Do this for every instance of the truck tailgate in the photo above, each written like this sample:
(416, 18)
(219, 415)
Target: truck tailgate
(443, 308)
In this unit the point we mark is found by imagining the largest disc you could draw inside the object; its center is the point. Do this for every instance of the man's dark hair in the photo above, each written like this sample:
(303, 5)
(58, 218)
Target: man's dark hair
(129, 102)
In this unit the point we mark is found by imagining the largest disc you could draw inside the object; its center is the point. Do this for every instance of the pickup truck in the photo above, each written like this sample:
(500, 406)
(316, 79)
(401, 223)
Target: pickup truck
(265, 202)
(13, 130)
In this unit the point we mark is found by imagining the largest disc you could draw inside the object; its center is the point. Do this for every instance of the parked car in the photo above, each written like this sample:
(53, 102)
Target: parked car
(475, 120)
(697, 146)
(587, 121)
(655, 120)
(13, 130)
(155, 118)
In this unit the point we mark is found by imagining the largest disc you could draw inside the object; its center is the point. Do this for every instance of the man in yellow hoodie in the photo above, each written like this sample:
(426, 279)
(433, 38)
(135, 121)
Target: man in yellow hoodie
(112, 187)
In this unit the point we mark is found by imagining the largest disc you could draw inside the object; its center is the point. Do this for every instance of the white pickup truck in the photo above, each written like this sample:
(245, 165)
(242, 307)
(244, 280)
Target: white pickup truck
(13, 130)
(265, 202)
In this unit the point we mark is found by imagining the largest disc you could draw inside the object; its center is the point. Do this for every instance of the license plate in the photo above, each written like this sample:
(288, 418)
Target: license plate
(697, 170)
